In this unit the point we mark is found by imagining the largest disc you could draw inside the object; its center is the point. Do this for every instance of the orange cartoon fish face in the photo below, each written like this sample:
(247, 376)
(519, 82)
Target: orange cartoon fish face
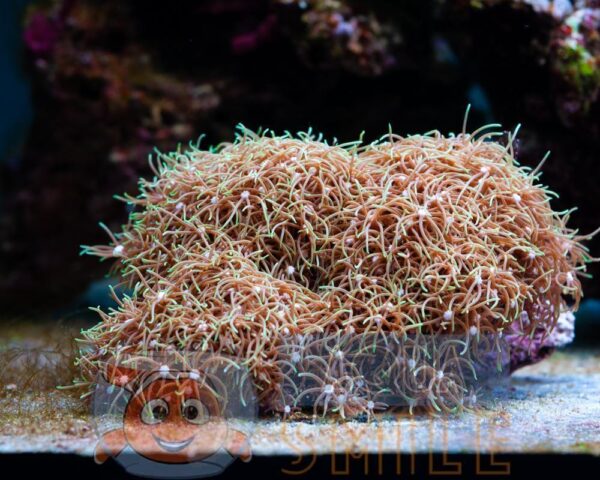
(173, 417)
(175, 421)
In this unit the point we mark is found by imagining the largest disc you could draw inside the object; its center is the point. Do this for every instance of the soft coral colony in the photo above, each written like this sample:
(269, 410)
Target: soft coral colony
(235, 248)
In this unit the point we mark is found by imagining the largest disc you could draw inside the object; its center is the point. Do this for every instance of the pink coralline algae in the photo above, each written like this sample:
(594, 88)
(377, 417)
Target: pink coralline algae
(576, 60)
(41, 34)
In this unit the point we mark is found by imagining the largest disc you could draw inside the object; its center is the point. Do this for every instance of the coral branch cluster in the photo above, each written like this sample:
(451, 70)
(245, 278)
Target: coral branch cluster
(235, 248)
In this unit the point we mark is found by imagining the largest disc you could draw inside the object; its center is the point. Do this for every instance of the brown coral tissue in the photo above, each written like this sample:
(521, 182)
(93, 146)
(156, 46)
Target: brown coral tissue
(298, 257)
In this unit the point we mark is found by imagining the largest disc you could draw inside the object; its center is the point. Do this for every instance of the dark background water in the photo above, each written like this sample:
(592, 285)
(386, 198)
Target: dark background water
(89, 88)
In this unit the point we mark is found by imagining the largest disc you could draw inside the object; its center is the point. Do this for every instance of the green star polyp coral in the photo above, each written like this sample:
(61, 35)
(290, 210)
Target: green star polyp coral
(235, 248)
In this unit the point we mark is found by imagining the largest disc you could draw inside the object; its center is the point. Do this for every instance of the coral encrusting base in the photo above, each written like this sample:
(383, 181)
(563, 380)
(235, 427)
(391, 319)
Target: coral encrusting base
(233, 248)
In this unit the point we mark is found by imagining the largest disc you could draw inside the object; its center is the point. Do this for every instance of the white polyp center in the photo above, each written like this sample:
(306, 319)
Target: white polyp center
(411, 363)
(164, 370)
(118, 250)
(290, 270)
(570, 277)
(328, 389)
(245, 195)
(516, 197)
(287, 409)
(439, 374)
(448, 315)
(422, 212)
(179, 206)
(195, 375)
(213, 200)
(473, 330)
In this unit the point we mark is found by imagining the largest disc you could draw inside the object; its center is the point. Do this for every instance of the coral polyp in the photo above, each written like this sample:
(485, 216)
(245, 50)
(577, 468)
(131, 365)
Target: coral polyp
(237, 248)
